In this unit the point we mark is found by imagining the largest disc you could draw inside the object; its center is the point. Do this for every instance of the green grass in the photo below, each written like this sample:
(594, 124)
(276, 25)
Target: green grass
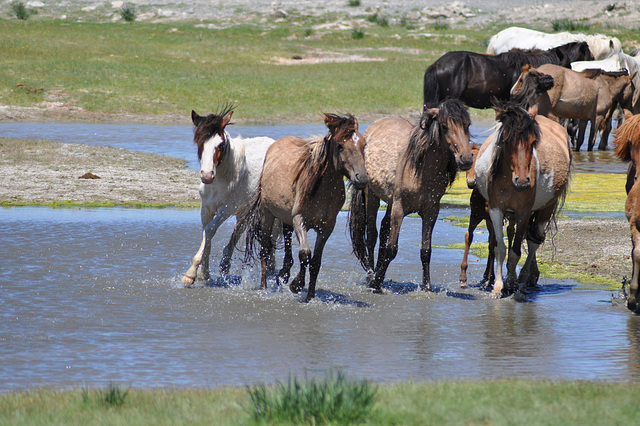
(495, 402)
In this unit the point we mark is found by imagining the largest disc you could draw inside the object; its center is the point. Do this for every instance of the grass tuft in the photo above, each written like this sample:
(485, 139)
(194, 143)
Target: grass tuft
(354, 3)
(566, 24)
(112, 396)
(357, 34)
(20, 11)
(128, 12)
(335, 400)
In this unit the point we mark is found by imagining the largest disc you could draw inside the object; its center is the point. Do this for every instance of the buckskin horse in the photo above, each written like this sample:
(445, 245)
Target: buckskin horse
(302, 185)
(410, 168)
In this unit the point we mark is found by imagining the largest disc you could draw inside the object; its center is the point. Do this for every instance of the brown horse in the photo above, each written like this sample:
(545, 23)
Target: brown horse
(479, 212)
(590, 96)
(410, 168)
(627, 143)
(522, 170)
(302, 185)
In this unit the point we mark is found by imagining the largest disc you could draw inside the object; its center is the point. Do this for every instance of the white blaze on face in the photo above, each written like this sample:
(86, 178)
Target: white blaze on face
(207, 165)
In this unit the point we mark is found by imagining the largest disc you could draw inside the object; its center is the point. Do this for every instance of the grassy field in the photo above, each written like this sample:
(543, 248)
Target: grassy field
(494, 402)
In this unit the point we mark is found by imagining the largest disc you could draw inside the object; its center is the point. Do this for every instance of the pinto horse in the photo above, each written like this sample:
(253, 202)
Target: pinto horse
(627, 143)
(410, 167)
(522, 171)
(302, 185)
(229, 173)
(476, 79)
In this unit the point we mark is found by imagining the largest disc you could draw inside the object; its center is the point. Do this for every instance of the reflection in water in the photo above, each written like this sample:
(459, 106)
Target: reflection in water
(94, 295)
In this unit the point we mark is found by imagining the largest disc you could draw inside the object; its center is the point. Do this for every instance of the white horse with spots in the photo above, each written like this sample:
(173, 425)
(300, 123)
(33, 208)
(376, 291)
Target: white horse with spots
(229, 174)
(601, 46)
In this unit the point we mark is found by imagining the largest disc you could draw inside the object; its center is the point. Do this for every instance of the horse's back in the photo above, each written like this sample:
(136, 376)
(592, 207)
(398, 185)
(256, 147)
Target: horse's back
(387, 139)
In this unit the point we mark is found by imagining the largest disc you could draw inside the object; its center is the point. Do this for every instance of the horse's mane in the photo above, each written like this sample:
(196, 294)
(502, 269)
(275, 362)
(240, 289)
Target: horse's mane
(627, 138)
(208, 126)
(320, 153)
(557, 55)
(534, 84)
(431, 131)
(515, 125)
(592, 73)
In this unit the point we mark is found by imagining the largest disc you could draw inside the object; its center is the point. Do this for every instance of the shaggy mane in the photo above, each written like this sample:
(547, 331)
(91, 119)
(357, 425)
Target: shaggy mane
(627, 138)
(211, 125)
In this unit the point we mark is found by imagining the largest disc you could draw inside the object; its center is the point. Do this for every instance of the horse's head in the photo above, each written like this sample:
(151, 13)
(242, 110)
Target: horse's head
(471, 173)
(450, 122)
(348, 148)
(212, 141)
(516, 141)
(530, 84)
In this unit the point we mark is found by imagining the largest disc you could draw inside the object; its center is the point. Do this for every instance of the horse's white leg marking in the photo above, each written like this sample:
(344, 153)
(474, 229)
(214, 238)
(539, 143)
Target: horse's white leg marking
(500, 250)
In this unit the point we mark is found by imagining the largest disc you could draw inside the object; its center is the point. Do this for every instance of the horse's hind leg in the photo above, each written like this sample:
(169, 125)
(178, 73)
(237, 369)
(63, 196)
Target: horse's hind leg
(266, 249)
(475, 217)
(632, 298)
(225, 262)
(285, 272)
(582, 128)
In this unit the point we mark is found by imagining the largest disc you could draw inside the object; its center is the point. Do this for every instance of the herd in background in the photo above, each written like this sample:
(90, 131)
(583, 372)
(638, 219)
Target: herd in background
(519, 175)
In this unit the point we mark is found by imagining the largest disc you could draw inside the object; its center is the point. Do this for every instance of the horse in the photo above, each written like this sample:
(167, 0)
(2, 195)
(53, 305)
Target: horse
(479, 211)
(302, 185)
(229, 173)
(627, 149)
(522, 170)
(590, 95)
(601, 46)
(476, 79)
(410, 167)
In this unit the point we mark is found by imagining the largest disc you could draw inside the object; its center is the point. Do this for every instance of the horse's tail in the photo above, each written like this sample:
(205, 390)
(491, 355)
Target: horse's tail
(358, 225)
(250, 216)
(431, 86)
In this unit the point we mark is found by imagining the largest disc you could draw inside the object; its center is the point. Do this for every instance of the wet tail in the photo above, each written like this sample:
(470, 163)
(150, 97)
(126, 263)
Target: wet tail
(251, 218)
(358, 225)
(431, 87)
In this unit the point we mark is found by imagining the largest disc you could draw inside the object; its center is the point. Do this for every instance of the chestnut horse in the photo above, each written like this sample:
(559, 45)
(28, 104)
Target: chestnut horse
(229, 173)
(479, 211)
(410, 167)
(302, 185)
(522, 170)
(627, 143)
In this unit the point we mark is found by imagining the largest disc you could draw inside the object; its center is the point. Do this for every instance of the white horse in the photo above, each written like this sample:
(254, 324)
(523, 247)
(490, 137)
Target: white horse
(601, 46)
(229, 174)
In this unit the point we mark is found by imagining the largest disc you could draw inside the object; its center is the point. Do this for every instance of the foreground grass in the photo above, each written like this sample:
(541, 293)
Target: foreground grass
(495, 402)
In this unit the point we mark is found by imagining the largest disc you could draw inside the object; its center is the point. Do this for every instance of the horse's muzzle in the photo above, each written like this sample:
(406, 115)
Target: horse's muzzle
(360, 181)
(522, 185)
(465, 163)
(206, 177)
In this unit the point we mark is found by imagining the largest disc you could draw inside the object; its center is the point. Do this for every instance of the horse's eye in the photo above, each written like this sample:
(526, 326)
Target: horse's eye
(340, 147)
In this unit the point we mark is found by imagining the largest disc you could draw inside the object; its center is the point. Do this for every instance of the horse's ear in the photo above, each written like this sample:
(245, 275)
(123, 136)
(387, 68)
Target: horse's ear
(227, 119)
(195, 118)
(533, 111)
(433, 112)
(627, 114)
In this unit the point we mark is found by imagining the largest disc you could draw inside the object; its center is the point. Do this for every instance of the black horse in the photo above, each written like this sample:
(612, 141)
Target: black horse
(476, 79)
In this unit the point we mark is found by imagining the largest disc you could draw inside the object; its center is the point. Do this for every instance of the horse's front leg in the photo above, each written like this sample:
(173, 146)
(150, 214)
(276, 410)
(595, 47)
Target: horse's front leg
(227, 252)
(304, 253)
(500, 251)
(474, 221)
(632, 298)
(285, 272)
(536, 233)
(373, 204)
(389, 249)
(515, 251)
(316, 260)
(428, 221)
(266, 246)
(201, 258)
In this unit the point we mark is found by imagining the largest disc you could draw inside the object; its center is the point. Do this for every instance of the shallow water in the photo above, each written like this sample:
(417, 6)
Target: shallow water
(177, 141)
(92, 296)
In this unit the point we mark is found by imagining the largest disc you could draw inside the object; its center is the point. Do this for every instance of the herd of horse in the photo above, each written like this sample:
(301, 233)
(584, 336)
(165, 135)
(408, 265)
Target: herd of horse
(519, 175)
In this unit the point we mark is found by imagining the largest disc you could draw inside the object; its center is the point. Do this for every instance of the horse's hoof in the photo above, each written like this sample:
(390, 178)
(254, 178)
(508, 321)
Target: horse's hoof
(463, 284)
(376, 289)
(187, 281)
(496, 295)
(632, 304)
(295, 287)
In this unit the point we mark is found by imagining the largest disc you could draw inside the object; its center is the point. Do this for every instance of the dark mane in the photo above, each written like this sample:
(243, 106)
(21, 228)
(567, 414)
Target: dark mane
(592, 73)
(516, 125)
(431, 132)
(561, 55)
(206, 127)
(320, 153)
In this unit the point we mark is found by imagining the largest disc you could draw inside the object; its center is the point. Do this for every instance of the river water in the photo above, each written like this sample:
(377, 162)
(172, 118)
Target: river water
(93, 296)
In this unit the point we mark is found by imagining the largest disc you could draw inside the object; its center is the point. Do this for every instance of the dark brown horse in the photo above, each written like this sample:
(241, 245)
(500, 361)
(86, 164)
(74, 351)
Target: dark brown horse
(522, 170)
(410, 167)
(476, 79)
(302, 185)
(627, 143)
